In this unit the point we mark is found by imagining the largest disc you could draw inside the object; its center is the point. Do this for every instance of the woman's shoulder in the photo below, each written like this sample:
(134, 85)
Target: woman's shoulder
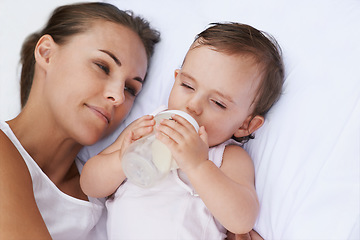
(13, 168)
(9, 154)
(11, 158)
(16, 193)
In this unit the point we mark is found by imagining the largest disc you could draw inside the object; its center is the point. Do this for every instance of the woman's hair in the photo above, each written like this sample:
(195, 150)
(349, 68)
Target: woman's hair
(72, 19)
(236, 38)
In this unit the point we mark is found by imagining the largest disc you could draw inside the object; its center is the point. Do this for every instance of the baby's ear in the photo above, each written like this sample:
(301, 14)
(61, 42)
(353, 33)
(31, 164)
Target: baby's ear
(250, 125)
(176, 72)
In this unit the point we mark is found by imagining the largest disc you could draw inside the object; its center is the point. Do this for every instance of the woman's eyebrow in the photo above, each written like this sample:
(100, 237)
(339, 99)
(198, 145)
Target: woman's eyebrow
(139, 79)
(116, 60)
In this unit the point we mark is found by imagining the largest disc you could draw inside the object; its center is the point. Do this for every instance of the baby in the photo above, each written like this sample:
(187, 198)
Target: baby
(231, 76)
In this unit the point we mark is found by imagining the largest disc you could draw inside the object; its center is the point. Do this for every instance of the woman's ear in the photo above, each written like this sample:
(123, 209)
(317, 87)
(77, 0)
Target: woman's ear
(43, 50)
(250, 125)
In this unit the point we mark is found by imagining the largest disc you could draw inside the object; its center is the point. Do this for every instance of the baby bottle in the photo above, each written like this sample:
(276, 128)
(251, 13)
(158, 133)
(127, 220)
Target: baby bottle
(148, 160)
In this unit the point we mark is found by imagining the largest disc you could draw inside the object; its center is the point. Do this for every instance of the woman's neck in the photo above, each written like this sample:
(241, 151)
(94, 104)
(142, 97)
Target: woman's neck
(51, 149)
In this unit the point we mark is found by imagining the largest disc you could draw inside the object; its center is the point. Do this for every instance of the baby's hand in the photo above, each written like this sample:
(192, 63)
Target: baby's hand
(140, 127)
(189, 148)
(136, 130)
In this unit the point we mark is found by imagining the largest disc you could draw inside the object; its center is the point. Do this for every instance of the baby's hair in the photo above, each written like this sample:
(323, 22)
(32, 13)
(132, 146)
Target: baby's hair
(72, 19)
(235, 38)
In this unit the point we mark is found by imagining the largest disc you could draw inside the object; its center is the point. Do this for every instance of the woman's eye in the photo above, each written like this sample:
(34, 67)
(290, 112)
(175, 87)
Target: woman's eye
(104, 68)
(132, 91)
(186, 85)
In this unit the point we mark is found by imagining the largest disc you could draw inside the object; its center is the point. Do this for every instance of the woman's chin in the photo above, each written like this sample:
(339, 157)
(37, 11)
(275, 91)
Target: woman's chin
(90, 138)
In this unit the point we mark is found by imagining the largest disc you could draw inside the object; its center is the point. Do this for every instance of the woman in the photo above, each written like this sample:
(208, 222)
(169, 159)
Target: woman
(79, 79)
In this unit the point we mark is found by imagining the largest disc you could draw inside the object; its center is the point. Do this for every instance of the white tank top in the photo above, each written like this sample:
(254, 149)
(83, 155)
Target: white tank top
(66, 217)
(169, 210)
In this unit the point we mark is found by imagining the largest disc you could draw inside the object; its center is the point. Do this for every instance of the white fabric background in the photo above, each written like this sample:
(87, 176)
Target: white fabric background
(308, 152)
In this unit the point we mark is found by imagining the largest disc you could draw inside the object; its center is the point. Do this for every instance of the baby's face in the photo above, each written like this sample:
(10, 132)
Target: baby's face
(217, 90)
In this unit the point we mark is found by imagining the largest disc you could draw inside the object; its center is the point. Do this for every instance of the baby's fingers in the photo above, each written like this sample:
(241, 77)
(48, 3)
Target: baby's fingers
(141, 132)
(168, 132)
(183, 122)
(203, 134)
(142, 126)
(144, 121)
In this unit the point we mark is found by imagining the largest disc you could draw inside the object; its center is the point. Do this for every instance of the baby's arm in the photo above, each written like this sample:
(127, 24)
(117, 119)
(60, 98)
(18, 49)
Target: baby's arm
(103, 174)
(228, 192)
(240, 205)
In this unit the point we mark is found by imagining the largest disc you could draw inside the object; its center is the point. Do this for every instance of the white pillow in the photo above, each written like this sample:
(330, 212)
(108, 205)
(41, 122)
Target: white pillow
(307, 154)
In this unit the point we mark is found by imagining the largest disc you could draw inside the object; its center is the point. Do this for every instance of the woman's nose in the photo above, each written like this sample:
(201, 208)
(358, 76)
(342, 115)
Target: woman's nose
(115, 94)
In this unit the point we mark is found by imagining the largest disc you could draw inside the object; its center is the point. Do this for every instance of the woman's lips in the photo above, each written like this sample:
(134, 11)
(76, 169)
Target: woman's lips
(100, 112)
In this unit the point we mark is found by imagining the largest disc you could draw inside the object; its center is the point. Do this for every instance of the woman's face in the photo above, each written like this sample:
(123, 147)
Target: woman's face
(92, 80)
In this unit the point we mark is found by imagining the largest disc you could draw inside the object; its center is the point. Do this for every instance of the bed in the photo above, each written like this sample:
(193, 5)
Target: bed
(307, 154)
